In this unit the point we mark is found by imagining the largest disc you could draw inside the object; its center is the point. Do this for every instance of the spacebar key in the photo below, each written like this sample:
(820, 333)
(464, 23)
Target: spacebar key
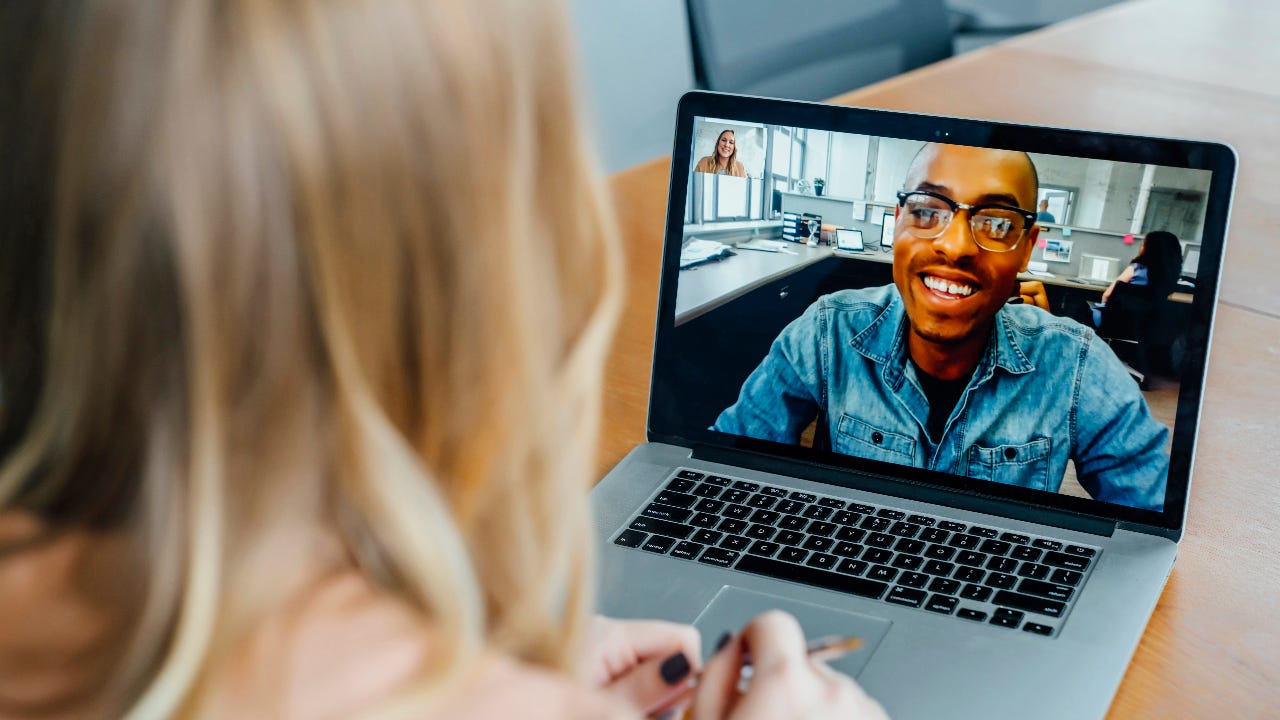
(810, 576)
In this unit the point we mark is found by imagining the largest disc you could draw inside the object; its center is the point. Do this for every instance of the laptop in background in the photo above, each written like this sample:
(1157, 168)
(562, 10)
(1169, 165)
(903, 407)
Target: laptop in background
(975, 595)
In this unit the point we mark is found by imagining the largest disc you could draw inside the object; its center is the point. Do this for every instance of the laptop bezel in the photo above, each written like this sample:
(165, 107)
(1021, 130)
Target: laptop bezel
(664, 423)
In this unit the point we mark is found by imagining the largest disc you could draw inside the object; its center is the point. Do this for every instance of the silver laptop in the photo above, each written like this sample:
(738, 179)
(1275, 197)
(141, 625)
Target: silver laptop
(884, 444)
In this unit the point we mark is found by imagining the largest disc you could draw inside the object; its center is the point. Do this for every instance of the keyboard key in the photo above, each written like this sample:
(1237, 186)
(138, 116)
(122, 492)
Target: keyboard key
(705, 520)
(861, 508)
(839, 582)
(821, 528)
(977, 593)
(969, 574)
(951, 526)
(1001, 580)
(735, 496)
(774, 492)
(971, 614)
(718, 556)
(630, 538)
(921, 520)
(847, 549)
(909, 546)
(939, 552)
(793, 554)
(689, 475)
(767, 517)
(1046, 544)
(730, 525)
(1081, 551)
(676, 499)
(937, 567)
(789, 537)
(707, 490)
(913, 579)
(970, 557)
(983, 532)
(965, 542)
(716, 480)
(904, 529)
(1070, 562)
(1004, 621)
(658, 544)
(819, 543)
(734, 542)
(687, 550)
(680, 485)
(946, 586)
(661, 527)
(851, 534)
(846, 517)
(763, 548)
(875, 524)
(1030, 603)
(908, 562)
(1044, 589)
(803, 497)
(851, 567)
(666, 512)
(877, 555)
(1038, 629)
(994, 547)
(891, 514)
(822, 561)
(745, 486)
(881, 540)
(761, 532)
(832, 503)
(761, 501)
(941, 604)
(934, 535)
(1066, 577)
(1011, 614)
(792, 522)
(1034, 571)
(1002, 564)
(789, 506)
(739, 512)
(1015, 538)
(905, 596)
(1028, 554)
(707, 537)
(709, 505)
(817, 512)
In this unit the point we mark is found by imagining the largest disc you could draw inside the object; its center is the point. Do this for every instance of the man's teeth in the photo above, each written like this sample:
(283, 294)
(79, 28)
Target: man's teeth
(941, 285)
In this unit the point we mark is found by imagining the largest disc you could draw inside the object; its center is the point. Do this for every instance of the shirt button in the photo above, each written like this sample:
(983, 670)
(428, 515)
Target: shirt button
(877, 437)
(1010, 453)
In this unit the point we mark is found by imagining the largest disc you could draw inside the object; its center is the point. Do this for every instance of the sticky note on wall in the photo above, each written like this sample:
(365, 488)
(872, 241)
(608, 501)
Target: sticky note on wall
(1128, 239)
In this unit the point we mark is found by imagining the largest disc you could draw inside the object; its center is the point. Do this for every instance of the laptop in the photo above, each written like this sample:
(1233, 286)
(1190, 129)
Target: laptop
(1000, 560)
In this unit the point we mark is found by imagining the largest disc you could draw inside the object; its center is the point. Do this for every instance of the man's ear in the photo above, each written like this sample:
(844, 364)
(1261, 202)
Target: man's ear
(1032, 235)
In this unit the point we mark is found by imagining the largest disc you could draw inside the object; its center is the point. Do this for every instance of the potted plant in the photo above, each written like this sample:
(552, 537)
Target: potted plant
(818, 184)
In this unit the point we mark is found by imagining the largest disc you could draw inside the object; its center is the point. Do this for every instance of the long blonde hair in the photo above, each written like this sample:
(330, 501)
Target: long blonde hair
(344, 262)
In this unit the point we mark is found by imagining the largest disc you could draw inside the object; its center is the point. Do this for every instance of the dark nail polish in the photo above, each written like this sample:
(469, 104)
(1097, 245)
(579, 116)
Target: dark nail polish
(724, 640)
(674, 669)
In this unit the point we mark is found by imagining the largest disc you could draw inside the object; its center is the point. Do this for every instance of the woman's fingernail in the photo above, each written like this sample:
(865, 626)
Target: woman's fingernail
(674, 669)
(724, 640)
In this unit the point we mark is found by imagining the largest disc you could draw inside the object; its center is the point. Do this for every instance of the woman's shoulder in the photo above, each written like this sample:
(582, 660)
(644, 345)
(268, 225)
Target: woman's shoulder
(347, 647)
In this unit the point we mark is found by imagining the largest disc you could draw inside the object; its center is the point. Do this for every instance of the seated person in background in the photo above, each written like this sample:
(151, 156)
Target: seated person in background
(724, 160)
(1044, 215)
(941, 371)
(281, 436)
(1157, 265)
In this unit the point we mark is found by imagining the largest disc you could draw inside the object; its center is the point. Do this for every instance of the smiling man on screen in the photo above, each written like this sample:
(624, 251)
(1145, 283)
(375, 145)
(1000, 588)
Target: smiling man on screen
(941, 371)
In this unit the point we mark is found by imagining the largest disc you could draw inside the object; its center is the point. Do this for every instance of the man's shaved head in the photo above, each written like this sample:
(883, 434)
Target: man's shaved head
(919, 164)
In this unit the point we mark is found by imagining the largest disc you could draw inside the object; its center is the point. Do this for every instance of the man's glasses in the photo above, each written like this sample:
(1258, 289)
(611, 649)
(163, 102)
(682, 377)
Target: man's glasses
(998, 228)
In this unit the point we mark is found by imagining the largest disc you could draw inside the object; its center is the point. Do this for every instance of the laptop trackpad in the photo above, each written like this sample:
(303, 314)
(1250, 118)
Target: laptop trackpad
(732, 608)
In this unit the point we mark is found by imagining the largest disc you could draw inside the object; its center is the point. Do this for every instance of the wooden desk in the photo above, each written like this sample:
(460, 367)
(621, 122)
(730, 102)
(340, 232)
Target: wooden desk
(1187, 68)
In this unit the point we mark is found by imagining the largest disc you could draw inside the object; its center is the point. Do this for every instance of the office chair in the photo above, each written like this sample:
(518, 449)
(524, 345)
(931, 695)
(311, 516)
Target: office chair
(1137, 322)
(813, 49)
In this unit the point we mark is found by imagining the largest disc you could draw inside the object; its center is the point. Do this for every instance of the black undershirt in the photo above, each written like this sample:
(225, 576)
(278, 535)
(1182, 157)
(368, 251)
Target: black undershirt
(942, 396)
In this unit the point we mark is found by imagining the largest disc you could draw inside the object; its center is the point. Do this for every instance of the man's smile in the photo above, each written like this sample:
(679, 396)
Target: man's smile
(949, 288)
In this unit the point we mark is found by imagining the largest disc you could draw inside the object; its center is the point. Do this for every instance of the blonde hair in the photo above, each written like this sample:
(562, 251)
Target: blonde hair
(344, 262)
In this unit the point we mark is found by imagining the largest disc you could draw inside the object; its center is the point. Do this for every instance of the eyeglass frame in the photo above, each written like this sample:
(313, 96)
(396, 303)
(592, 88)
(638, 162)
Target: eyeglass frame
(956, 207)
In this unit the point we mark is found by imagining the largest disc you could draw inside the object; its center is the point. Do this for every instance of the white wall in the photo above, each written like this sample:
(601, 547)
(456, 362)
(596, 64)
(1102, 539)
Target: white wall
(848, 166)
(895, 157)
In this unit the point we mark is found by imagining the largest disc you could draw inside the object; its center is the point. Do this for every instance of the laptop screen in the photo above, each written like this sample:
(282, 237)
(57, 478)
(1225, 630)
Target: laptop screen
(1015, 326)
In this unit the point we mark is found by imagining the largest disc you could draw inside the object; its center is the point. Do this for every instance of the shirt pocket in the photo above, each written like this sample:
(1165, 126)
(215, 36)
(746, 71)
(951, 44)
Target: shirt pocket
(1024, 465)
(862, 439)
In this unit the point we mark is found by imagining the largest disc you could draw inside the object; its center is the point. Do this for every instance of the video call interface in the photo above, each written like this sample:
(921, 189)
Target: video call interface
(1007, 317)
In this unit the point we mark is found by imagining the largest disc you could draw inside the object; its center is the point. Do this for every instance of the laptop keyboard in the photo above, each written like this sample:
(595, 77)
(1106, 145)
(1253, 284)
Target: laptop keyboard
(976, 573)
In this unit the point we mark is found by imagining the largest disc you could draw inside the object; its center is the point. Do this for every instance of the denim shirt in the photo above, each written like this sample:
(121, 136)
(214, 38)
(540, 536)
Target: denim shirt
(1047, 390)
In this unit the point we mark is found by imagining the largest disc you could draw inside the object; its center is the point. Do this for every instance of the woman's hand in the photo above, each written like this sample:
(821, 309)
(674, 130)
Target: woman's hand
(647, 663)
(785, 683)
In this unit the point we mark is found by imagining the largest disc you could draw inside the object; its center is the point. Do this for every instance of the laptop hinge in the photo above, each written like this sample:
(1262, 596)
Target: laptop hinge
(900, 487)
